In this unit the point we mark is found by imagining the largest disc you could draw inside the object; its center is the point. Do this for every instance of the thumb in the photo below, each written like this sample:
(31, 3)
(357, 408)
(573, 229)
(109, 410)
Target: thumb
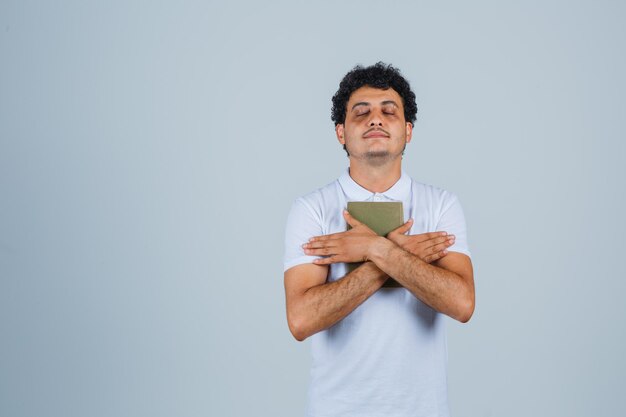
(403, 229)
(350, 220)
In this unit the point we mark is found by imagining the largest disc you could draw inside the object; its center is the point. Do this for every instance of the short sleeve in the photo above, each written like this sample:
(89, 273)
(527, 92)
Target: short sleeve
(303, 223)
(452, 221)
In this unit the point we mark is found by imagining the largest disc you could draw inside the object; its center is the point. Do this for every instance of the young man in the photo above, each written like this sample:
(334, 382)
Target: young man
(377, 351)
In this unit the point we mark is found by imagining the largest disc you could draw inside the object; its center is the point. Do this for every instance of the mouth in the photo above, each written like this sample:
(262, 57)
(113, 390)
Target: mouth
(376, 133)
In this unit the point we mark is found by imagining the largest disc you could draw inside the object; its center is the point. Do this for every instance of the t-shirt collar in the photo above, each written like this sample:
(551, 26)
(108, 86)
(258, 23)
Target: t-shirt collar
(354, 192)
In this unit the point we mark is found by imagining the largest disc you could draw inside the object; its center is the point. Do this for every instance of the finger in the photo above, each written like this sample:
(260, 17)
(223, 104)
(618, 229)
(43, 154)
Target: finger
(351, 220)
(440, 246)
(403, 229)
(326, 261)
(435, 256)
(327, 237)
(320, 244)
(423, 237)
(320, 252)
(445, 240)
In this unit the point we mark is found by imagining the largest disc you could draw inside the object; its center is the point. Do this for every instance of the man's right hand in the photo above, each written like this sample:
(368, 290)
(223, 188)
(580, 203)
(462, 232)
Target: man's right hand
(429, 247)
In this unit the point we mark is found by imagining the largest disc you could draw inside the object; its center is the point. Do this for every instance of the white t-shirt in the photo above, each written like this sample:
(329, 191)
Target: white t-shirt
(389, 356)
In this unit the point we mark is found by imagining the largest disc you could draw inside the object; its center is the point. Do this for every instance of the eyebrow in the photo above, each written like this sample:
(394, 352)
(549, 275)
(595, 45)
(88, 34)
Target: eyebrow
(365, 103)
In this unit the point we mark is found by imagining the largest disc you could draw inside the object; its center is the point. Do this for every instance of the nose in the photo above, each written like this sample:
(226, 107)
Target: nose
(376, 119)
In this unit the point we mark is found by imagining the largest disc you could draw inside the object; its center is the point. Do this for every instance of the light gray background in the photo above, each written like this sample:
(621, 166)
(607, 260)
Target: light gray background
(149, 154)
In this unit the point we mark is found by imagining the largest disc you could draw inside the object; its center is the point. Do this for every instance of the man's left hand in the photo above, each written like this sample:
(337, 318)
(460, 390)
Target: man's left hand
(354, 245)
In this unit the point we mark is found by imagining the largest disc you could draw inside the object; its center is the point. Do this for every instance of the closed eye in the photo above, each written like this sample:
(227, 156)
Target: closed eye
(389, 109)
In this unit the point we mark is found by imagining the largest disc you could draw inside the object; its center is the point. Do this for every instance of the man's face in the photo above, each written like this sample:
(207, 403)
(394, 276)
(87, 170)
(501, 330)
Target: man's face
(375, 130)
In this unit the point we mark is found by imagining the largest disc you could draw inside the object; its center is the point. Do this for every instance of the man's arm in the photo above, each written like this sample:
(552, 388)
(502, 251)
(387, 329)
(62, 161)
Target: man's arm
(314, 305)
(447, 287)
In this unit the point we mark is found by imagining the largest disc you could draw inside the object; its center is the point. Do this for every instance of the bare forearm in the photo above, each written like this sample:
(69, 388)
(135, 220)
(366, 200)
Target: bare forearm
(443, 290)
(448, 287)
(322, 306)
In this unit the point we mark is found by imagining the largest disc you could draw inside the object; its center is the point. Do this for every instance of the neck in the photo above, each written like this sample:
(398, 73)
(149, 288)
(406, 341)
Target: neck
(376, 179)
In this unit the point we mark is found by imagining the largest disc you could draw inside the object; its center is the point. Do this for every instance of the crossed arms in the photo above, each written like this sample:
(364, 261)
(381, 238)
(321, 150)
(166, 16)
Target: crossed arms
(442, 280)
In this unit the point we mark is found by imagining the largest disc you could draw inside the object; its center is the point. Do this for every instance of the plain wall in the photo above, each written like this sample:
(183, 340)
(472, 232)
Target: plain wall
(150, 151)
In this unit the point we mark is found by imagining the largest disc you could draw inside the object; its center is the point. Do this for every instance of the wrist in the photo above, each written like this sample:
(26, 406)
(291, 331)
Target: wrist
(380, 249)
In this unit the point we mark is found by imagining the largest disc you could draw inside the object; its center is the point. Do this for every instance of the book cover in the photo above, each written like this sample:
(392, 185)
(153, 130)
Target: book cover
(382, 218)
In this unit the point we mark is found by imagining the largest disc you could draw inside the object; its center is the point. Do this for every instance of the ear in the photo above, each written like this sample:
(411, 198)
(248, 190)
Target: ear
(409, 131)
(339, 131)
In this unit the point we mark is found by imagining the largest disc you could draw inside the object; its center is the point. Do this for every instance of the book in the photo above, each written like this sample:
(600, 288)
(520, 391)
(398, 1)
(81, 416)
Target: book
(382, 218)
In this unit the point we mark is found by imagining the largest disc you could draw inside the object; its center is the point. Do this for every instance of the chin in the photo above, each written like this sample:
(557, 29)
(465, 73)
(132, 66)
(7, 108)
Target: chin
(378, 158)
(377, 155)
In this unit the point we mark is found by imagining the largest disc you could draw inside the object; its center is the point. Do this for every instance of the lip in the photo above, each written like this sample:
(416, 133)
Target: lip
(375, 134)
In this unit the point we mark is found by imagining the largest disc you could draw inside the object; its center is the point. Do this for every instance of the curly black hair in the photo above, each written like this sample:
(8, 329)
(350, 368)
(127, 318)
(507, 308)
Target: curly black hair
(379, 75)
